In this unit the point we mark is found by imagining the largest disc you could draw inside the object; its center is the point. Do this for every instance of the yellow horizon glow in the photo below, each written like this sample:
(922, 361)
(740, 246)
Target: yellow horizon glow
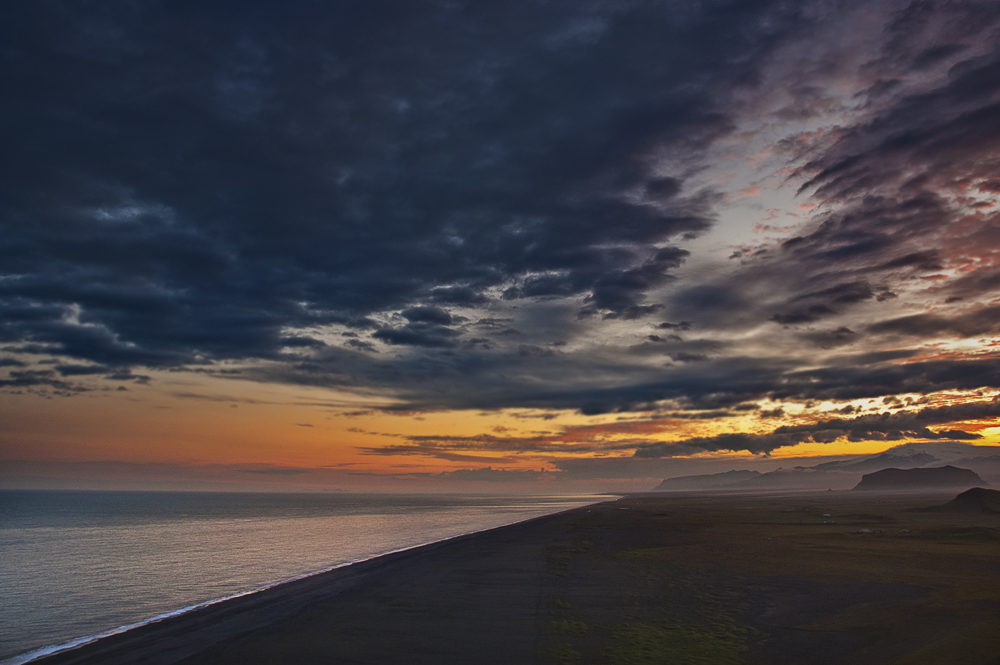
(204, 420)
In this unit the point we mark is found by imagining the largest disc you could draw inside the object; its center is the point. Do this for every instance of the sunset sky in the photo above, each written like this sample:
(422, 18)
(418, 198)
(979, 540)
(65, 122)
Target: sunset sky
(553, 246)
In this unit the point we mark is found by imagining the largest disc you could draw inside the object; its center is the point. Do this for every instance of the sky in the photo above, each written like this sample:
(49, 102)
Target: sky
(537, 245)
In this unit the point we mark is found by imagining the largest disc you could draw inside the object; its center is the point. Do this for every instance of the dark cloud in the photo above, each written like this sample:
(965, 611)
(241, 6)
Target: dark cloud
(298, 341)
(187, 182)
(607, 437)
(458, 448)
(463, 186)
(754, 443)
(39, 379)
(594, 384)
(417, 334)
(462, 296)
(981, 321)
(81, 370)
(361, 345)
(829, 339)
(433, 315)
(278, 471)
(881, 427)
(636, 435)
(683, 357)
(489, 474)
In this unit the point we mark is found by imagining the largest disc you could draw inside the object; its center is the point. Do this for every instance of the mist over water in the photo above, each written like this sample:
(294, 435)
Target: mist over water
(80, 563)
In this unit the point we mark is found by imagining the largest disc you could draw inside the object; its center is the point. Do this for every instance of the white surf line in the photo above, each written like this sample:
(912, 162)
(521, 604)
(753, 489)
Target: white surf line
(41, 652)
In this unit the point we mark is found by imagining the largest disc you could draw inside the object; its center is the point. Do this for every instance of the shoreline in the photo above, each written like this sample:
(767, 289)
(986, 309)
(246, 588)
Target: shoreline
(43, 653)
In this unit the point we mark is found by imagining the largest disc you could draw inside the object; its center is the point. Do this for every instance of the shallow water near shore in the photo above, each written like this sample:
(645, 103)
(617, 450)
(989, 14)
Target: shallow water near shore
(82, 563)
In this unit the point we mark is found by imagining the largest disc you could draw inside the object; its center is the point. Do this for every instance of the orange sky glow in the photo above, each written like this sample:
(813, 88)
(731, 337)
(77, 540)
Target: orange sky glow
(621, 246)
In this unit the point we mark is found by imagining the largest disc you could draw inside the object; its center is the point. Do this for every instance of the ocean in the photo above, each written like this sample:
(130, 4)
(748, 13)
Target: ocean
(75, 564)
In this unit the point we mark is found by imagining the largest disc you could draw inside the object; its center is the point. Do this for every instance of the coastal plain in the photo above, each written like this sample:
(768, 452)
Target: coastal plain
(682, 578)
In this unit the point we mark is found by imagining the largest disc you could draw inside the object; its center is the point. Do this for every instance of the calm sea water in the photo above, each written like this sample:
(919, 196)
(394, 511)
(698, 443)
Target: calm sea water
(75, 564)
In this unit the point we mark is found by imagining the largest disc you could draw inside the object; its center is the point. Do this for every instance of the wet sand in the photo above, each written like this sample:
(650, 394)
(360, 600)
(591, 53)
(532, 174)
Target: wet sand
(811, 578)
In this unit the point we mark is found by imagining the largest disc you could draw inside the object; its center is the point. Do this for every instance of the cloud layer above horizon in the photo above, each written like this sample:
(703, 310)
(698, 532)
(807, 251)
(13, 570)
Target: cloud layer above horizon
(592, 206)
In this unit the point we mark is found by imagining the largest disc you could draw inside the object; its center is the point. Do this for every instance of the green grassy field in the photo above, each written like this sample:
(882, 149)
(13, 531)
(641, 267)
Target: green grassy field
(812, 578)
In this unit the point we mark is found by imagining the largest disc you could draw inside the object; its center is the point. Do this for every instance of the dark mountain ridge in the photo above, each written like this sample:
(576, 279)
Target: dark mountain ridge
(705, 481)
(846, 473)
(919, 479)
(978, 500)
(975, 501)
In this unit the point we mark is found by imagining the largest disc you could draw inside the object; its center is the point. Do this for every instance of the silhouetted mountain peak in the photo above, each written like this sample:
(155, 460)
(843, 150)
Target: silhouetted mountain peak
(705, 481)
(918, 479)
(975, 500)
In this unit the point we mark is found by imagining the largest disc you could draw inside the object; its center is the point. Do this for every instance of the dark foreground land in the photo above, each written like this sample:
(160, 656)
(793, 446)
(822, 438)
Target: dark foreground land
(810, 578)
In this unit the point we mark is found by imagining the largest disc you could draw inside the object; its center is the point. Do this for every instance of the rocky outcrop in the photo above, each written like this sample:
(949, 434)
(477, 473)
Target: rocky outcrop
(978, 500)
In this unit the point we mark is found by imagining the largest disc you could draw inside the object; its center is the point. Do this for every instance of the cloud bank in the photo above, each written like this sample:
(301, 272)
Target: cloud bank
(468, 205)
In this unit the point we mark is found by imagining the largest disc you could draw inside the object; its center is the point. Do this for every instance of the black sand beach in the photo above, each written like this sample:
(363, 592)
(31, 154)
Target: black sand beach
(811, 578)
